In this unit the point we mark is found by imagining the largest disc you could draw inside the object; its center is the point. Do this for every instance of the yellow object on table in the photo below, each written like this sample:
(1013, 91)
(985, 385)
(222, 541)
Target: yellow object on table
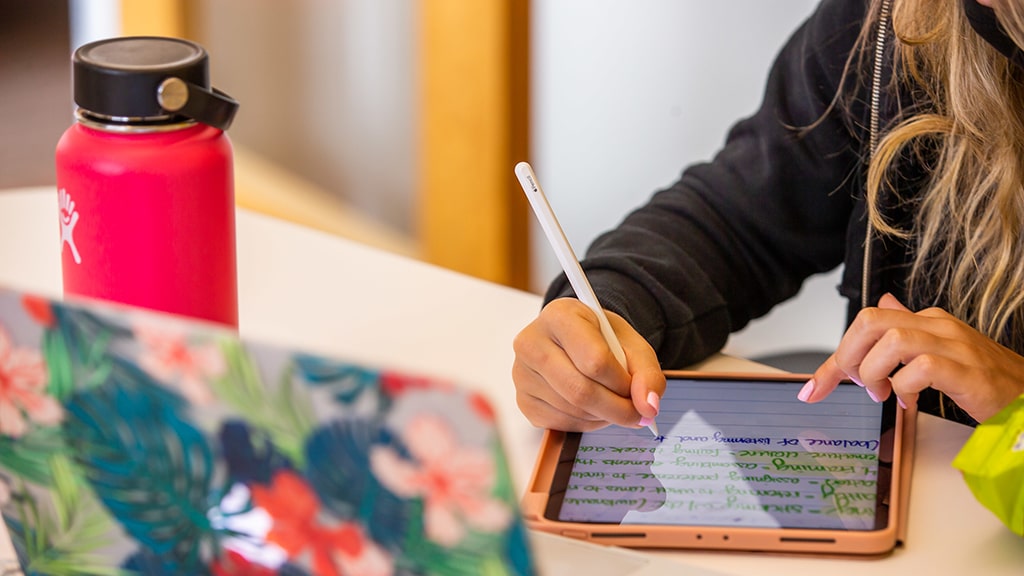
(992, 462)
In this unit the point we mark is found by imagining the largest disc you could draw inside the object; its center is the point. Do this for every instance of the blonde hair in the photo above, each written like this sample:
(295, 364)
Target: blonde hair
(967, 122)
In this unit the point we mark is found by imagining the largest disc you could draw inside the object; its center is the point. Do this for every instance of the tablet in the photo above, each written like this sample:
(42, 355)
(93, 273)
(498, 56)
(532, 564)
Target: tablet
(740, 464)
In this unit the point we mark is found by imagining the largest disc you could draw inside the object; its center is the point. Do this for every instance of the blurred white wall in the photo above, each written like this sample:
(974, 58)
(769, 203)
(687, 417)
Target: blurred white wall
(626, 94)
(327, 89)
(93, 20)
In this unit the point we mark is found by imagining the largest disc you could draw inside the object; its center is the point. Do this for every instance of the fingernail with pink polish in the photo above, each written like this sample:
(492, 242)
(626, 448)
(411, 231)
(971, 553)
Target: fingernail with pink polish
(872, 395)
(857, 381)
(645, 421)
(901, 402)
(806, 391)
(654, 400)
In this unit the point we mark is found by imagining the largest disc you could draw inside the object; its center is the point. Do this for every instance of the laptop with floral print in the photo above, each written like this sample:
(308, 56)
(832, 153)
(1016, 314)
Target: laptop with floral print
(138, 443)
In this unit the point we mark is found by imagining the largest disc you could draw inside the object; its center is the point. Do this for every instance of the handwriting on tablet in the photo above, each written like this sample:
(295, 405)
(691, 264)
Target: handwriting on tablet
(738, 465)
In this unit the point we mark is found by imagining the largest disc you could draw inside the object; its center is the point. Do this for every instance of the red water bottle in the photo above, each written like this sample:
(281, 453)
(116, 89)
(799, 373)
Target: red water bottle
(145, 181)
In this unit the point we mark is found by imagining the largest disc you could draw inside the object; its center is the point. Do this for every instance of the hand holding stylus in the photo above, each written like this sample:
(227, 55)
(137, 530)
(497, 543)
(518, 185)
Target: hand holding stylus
(567, 378)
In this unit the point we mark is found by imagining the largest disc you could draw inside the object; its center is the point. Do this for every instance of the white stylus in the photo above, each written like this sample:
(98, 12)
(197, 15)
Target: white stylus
(567, 258)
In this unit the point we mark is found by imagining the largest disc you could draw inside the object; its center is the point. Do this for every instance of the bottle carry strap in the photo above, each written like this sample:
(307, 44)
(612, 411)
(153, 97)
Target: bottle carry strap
(209, 106)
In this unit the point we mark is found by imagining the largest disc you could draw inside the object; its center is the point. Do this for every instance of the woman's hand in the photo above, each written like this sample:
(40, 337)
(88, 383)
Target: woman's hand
(934, 349)
(567, 378)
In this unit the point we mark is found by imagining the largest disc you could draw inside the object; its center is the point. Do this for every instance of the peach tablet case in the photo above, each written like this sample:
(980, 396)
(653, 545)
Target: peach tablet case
(785, 540)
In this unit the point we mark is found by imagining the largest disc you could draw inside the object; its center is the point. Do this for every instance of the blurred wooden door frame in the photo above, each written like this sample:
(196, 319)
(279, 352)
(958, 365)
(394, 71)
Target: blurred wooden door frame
(153, 18)
(473, 128)
(474, 122)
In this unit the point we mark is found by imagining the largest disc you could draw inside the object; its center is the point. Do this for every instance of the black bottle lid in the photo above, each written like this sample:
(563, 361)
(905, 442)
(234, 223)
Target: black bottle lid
(146, 78)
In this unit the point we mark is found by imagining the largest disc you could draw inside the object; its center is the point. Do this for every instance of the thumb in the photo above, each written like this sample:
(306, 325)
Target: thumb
(889, 302)
(646, 389)
(647, 381)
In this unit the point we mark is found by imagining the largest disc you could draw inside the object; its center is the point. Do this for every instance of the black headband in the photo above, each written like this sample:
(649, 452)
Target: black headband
(983, 20)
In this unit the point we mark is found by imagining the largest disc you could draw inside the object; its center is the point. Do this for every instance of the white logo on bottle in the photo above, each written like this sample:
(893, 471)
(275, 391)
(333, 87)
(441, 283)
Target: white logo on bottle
(68, 219)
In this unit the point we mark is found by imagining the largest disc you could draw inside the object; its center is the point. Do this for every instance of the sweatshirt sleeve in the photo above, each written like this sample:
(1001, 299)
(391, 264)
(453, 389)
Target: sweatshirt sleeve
(737, 235)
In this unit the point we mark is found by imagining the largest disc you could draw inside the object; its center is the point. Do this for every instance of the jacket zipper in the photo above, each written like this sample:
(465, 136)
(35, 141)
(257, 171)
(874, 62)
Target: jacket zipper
(876, 91)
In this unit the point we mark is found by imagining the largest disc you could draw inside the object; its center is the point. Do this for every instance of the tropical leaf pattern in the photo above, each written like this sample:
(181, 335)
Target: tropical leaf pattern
(136, 443)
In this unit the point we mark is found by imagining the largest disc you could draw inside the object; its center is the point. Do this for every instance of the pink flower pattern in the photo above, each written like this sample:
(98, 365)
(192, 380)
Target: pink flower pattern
(169, 357)
(335, 550)
(23, 381)
(455, 482)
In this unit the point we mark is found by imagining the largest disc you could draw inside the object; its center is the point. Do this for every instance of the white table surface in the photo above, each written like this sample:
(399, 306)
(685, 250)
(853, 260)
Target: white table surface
(303, 288)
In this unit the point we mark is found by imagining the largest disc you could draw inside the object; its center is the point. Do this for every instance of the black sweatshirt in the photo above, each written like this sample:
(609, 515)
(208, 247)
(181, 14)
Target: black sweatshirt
(780, 202)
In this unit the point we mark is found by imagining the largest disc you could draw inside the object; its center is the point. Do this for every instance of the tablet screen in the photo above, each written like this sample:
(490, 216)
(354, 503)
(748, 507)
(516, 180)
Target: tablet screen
(740, 453)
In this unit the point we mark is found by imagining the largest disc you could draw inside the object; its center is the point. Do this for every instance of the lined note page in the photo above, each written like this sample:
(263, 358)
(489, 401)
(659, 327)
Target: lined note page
(735, 454)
